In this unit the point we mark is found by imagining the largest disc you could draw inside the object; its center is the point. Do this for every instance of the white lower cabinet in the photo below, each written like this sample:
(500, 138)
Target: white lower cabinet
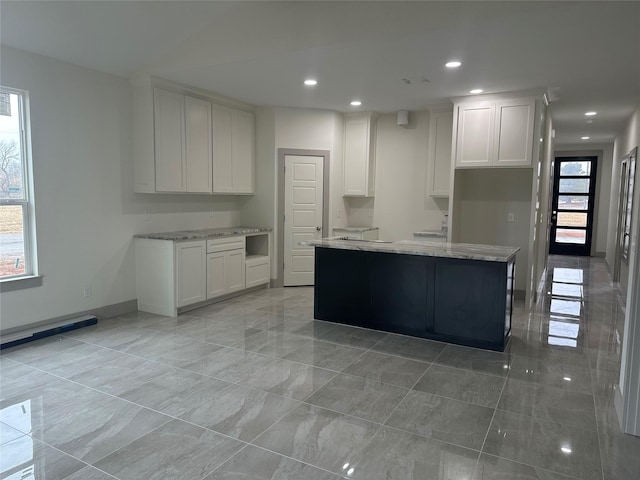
(225, 266)
(171, 275)
(191, 274)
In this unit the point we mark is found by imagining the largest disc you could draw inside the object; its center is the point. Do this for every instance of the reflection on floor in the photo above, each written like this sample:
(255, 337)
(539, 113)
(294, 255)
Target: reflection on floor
(255, 388)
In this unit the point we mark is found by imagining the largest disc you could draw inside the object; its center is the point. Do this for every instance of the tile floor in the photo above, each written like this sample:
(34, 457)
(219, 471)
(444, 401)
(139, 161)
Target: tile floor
(254, 388)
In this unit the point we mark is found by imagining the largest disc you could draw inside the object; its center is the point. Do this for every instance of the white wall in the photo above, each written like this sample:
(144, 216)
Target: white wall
(604, 166)
(400, 206)
(292, 128)
(86, 211)
(481, 211)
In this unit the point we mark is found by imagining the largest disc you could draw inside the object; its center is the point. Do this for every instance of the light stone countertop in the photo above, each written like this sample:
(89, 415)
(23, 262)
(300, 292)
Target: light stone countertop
(468, 251)
(203, 234)
(354, 229)
(430, 233)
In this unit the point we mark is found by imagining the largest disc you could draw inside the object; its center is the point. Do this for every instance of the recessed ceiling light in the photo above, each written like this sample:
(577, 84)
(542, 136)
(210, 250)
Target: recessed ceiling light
(591, 114)
(310, 82)
(356, 103)
(566, 449)
(476, 90)
(585, 138)
(453, 64)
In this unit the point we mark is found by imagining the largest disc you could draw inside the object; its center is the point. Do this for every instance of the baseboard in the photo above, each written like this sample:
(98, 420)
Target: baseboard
(107, 311)
(599, 254)
(519, 295)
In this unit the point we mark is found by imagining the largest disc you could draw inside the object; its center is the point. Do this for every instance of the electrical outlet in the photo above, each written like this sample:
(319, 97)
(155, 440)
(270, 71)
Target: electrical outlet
(511, 218)
(87, 290)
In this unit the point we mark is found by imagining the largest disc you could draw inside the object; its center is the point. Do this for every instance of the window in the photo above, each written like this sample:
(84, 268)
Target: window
(17, 240)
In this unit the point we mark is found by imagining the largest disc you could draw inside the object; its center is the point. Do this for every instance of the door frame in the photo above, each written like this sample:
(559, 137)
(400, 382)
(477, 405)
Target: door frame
(629, 161)
(567, 249)
(282, 152)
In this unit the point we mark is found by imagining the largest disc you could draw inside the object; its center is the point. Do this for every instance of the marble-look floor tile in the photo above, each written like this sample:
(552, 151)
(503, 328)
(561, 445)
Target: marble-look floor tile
(286, 378)
(8, 434)
(90, 473)
(121, 374)
(38, 402)
(409, 347)
(495, 468)
(565, 375)
(173, 393)
(228, 364)
(464, 385)
(254, 463)
(394, 454)
(551, 446)
(549, 404)
(480, 361)
(359, 397)
(176, 450)
(26, 457)
(220, 333)
(398, 371)
(51, 348)
(325, 355)
(352, 336)
(318, 437)
(273, 344)
(99, 426)
(620, 455)
(240, 412)
(443, 419)
(305, 327)
(178, 351)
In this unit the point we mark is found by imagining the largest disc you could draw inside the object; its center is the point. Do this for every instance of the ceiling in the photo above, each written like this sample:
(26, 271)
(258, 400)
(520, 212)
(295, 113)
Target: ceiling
(587, 54)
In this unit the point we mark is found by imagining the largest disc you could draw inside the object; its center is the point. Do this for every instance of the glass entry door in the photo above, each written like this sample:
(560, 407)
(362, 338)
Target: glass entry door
(574, 190)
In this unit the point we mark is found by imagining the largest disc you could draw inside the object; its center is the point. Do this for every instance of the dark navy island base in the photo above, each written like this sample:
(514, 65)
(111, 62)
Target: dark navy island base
(463, 301)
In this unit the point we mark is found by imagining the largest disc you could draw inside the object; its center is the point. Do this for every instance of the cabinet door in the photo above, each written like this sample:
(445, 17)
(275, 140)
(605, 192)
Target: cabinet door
(514, 132)
(439, 171)
(198, 145)
(356, 156)
(190, 272)
(476, 126)
(216, 274)
(235, 270)
(243, 164)
(222, 150)
(168, 117)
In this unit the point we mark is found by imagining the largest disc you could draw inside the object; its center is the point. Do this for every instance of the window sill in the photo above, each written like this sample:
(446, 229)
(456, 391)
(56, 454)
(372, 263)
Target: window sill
(20, 283)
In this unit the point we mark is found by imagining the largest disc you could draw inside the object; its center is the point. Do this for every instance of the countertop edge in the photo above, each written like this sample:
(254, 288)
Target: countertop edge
(203, 234)
(462, 251)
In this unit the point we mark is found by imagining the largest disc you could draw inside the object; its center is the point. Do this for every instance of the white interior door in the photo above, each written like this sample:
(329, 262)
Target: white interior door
(303, 183)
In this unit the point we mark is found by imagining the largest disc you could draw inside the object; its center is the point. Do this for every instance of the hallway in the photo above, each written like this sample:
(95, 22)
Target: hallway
(253, 387)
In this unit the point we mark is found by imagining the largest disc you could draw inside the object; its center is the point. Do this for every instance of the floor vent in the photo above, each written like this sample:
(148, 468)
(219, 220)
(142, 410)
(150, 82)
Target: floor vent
(30, 335)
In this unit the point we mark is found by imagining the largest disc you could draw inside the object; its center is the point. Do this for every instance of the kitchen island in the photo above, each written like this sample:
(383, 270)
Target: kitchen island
(457, 293)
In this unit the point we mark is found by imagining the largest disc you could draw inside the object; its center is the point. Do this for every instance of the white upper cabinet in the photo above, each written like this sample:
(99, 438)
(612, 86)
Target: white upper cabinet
(234, 151)
(359, 154)
(494, 133)
(182, 128)
(185, 143)
(439, 159)
(198, 145)
(171, 166)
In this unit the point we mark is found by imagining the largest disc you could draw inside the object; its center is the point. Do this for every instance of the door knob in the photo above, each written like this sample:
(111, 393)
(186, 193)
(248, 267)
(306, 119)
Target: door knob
(318, 229)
